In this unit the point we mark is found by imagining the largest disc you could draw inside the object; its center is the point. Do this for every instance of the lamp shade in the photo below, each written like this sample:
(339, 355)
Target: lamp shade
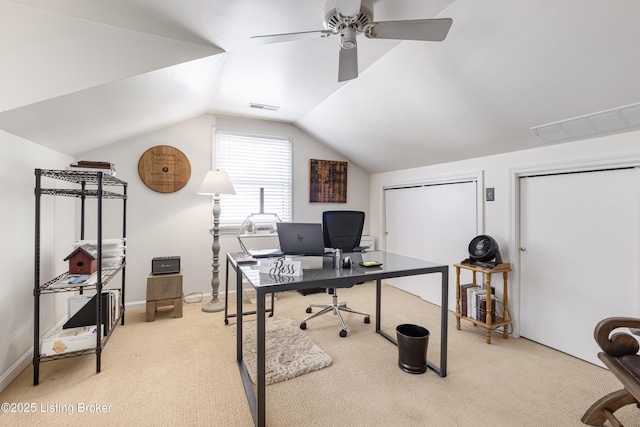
(216, 182)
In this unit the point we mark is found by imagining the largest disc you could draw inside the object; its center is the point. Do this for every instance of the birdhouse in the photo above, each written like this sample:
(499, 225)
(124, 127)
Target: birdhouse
(83, 260)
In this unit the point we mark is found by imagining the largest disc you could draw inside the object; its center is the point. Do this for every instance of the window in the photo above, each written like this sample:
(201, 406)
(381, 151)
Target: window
(254, 162)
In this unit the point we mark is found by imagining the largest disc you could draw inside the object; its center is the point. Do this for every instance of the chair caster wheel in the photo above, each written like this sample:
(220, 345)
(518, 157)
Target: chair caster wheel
(226, 321)
(271, 314)
(343, 333)
(308, 309)
(303, 325)
(367, 320)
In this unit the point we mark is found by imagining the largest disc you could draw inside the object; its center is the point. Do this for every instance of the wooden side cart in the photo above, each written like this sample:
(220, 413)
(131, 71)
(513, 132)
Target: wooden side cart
(487, 269)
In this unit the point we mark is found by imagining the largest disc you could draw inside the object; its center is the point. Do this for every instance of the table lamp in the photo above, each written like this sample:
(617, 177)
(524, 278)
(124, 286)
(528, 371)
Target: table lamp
(215, 183)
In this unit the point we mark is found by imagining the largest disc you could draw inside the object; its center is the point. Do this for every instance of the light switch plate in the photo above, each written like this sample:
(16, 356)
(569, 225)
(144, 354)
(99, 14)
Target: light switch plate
(490, 192)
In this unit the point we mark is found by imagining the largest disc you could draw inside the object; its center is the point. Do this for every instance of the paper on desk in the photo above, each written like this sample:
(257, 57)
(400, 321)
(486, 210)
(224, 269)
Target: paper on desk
(262, 252)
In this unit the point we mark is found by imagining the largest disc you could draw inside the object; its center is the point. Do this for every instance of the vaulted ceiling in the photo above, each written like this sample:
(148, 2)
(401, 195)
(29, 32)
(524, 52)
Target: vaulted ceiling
(79, 74)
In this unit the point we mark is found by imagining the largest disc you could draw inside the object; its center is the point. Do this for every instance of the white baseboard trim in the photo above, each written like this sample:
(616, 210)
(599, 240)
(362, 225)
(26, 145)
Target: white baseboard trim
(135, 305)
(27, 358)
(190, 299)
(15, 369)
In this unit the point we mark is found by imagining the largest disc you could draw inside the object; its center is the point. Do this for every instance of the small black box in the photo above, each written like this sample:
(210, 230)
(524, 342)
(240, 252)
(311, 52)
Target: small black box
(165, 265)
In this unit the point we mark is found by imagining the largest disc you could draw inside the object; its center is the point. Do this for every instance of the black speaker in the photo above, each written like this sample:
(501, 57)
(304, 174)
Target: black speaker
(165, 265)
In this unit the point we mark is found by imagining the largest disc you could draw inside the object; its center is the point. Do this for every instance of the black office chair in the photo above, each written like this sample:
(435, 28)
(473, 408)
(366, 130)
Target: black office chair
(341, 230)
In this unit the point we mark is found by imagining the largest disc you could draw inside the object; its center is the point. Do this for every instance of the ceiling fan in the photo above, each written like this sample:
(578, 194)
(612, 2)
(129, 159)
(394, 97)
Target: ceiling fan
(349, 18)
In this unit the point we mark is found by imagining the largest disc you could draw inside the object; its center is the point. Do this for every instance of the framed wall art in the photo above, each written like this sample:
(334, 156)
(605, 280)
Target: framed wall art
(327, 181)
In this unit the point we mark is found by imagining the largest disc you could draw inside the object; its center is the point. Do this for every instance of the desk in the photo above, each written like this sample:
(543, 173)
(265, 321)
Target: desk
(392, 266)
(232, 261)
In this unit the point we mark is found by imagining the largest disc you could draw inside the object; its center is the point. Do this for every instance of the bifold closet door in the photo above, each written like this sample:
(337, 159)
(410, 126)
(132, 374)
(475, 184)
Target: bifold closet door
(579, 241)
(434, 223)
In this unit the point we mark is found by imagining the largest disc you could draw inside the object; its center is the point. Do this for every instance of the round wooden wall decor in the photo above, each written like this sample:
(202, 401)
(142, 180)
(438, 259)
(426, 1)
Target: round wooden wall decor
(164, 169)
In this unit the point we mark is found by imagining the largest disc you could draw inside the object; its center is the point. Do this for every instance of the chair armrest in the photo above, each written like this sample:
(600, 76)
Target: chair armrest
(618, 344)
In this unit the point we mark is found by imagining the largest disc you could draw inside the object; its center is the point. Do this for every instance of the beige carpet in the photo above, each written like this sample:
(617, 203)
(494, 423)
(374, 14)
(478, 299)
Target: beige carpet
(289, 351)
(183, 372)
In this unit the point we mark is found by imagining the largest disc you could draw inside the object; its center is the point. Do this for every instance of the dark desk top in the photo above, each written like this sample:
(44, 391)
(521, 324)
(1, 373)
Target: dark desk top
(392, 265)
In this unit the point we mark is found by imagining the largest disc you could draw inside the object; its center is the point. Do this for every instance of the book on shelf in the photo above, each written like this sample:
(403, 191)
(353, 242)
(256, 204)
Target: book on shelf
(115, 295)
(482, 308)
(475, 298)
(93, 166)
(470, 297)
(463, 298)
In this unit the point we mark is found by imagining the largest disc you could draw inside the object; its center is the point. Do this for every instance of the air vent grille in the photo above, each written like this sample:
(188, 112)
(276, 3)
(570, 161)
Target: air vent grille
(616, 119)
(264, 107)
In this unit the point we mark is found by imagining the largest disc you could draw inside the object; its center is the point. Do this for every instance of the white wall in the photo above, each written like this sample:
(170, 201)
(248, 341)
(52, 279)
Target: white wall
(499, 215)
(17, 163)
(157, 224)
(178, 223)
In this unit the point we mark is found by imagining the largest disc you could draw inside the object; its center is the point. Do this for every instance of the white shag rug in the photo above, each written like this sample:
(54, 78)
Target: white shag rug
(289, 351)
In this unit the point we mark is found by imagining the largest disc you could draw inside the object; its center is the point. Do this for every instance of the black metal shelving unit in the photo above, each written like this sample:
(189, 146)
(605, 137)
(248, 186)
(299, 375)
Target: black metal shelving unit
(87, 185)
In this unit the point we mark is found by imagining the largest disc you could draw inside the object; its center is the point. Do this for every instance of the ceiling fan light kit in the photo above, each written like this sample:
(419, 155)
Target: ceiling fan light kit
(348, 38)
(349, 18)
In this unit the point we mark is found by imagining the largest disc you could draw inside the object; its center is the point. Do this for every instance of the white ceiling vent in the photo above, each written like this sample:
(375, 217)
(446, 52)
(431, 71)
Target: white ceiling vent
(604, 121)
(264, 107)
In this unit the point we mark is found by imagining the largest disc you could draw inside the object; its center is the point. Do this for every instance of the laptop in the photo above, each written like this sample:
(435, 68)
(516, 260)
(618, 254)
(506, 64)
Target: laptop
(297, 238)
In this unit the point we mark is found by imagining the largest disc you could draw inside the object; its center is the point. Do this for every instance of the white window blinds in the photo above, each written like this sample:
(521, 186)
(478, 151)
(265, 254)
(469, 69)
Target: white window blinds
(254, 162)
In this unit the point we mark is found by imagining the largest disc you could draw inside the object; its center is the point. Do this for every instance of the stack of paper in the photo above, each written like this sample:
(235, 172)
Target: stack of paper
(113, 250)
(65, 340)
(75, 280)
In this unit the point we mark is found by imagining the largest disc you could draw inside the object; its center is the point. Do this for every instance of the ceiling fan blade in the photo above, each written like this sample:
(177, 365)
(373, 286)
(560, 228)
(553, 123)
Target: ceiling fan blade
(350, 8)
(287, 37)
(434, 30)
(348, 64)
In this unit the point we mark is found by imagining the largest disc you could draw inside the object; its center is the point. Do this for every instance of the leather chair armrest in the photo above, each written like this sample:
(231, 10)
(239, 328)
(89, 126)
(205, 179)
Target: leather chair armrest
(618, 344)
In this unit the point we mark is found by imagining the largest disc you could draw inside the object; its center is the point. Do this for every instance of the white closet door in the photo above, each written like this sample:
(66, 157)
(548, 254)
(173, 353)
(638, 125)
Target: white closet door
(434, 223)
(579, 256)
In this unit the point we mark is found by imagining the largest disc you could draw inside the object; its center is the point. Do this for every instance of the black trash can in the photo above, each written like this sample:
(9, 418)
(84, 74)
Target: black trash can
(413, 341)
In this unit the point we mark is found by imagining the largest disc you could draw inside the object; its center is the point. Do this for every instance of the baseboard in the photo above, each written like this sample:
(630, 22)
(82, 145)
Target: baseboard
(135, 305)
(192, 298)
(25, 360)
(15, 369)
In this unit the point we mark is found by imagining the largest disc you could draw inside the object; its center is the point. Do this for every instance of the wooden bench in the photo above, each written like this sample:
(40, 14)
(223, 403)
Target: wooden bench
(619, 355)
(164, 290)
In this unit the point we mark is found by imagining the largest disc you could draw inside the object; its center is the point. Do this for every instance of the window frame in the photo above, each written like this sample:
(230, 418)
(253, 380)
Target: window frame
(232, 225)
